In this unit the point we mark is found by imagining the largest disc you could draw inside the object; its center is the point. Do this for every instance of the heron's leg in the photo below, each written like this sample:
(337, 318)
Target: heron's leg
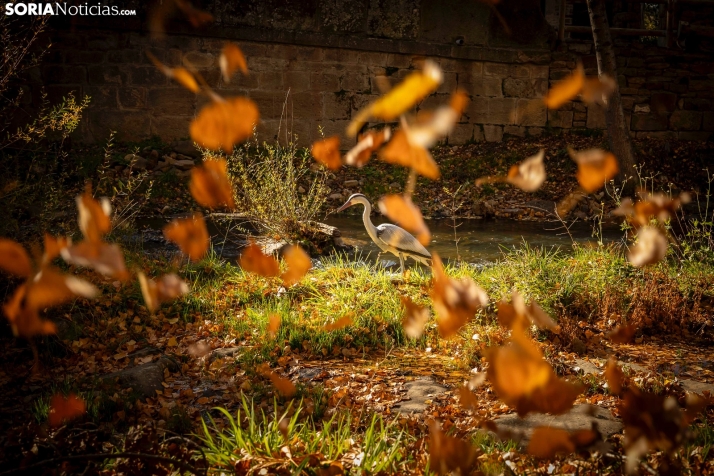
(401, 262)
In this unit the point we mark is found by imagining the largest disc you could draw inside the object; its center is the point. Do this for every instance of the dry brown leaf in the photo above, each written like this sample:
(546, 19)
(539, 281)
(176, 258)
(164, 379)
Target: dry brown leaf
(569, 202)
(658, 205)
(415, 318)
(447, 454)
(546, 442)
(401, 98)
(232, 60)
(167, 288)
(225, 123)
(595, 167)
(529, 175)
(520, 315)
(343, 321)
(456, 301)
(438, 124)
(65, 408)
(650, 248)
(299, 264)
(53, 248)
(283, 385)
(401, 152)
(253, 260)
(623, 334)
(14, 259)
(190, 234)
(273, 325)
(94, 220)
(199, 349)
(105, 258)
(182, 76)
(327, 152)
(467, 399)
(598, 90)
(25, 322)
(401, 210)
(210, 185)
(368, 143)
(614, 376)
(566, 89)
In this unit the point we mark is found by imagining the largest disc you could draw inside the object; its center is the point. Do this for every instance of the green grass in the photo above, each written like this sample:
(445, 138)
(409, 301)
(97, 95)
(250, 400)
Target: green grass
(259, 438)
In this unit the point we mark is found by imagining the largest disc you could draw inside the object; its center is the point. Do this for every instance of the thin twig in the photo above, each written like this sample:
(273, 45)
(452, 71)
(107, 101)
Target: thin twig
(102, 456)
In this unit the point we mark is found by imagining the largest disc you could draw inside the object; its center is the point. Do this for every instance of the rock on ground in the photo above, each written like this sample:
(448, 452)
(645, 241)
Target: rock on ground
(580, 417)
(145, 379)
(418, 392)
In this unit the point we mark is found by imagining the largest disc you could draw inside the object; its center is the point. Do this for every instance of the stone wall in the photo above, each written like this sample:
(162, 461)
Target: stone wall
(313, 69)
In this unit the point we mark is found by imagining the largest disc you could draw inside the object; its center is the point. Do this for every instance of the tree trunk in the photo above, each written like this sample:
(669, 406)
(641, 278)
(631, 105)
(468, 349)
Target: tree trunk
(617, 128)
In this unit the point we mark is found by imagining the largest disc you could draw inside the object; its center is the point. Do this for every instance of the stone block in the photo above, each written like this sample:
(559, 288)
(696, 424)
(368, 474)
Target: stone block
(323, 82)
(696, 104)
(596, 117)
(355, 82)
(270, 81)
(477, 110)
(487, 87)
(449, 84)
(662, 103)
(72, 56)
(649, 122)
(518, 88)
(296, 81)
(461, 134)
(500, 70)
(270, 104)
(517, 131)
(132, 98)
(102, 96)
(535, 131)
(65, 74)
(336, 105)
(685, 120)
(171, 102)
(105, 73)
(659, 135)
(702, 136)
(398, 61)
(539, 71)
(493, 133)
(130, 126)
(124, 56)
(501, 111)
(708, 121)
(170, 128)
(146, 76)
(531, 112)
(341, 56)
(560, 118)
(306, 105)
(336, 127)
(199, 59)
(310, 53)
(518, 71)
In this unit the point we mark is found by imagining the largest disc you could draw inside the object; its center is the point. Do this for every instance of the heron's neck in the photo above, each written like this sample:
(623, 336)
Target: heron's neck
(371, 229)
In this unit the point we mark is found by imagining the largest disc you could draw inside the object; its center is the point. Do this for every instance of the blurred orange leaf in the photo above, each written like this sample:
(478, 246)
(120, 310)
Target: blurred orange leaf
(401, 152)
(447, 453)
(253, 260)
(168, 287)
(369, 142)
(566, 89)
(546, 442)
(14, 259)
(598, 90)
(231, 60)
(614, 376)
(650, 247)
(210, 185)
(105, 258)
(182, 76)
(94, 219)
(400, 209)
(327, 152)
(283, 385)
(343, 321)
(224, 123)
(273, 325)
(299, 264)
(595, 167)
(65, 408)
(190, 234)
(415, 318)
(401, 98)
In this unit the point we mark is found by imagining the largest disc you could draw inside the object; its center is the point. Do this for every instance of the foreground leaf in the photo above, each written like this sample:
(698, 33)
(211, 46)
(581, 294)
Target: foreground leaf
(447, 454)
(327, 152)
(368, 143)
(223, 124)
(401, 152)
(401, 210)
(14, 259)
(65, 408)
(105, 258)
(650, 248)
(253, 260)
(210, 185)
(167, 288)
(190, 234)
(231, 60)
(415, 318)
(546, 442)
(566, 89)
(595, 167)
(299, 264)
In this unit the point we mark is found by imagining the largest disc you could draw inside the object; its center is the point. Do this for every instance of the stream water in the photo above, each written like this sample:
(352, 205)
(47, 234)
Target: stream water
(479, 241)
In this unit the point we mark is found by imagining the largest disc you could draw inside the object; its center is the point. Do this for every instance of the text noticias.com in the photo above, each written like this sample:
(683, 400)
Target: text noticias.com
(58, 8)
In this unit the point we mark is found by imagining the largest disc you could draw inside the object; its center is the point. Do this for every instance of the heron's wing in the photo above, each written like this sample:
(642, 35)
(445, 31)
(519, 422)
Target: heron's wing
(401, 240)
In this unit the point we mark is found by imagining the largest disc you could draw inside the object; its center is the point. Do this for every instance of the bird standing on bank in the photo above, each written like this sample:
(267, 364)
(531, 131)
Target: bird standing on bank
(389, 237)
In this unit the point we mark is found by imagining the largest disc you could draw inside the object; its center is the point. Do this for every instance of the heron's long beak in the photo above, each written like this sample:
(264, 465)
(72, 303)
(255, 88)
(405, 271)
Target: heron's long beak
(347, 204)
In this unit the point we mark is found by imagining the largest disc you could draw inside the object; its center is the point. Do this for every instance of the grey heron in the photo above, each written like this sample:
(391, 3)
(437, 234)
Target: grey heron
(389, 237)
